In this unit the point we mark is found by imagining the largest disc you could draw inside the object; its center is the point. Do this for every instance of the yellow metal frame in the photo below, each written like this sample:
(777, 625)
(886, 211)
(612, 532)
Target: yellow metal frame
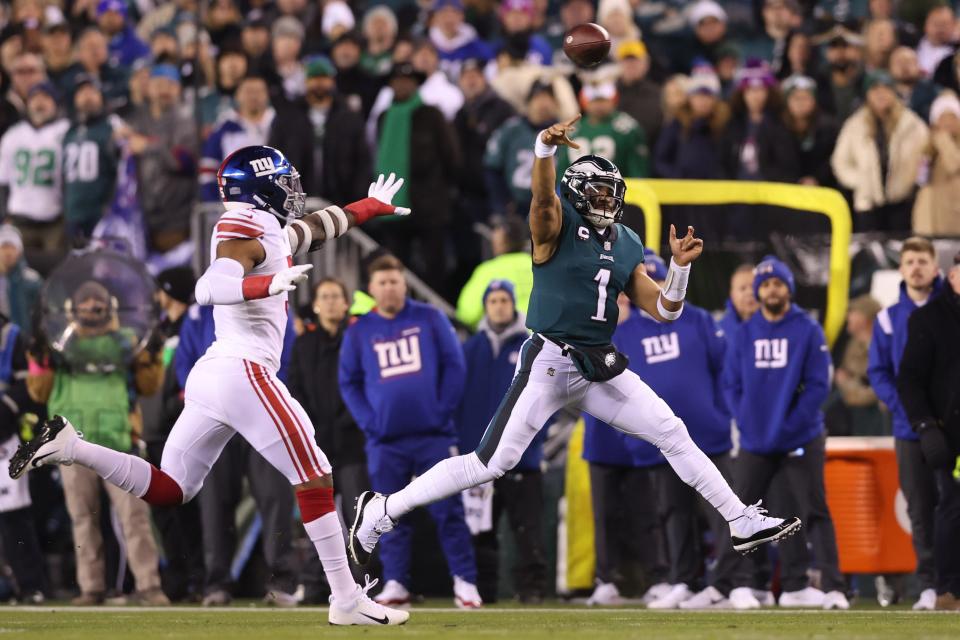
(650, 194)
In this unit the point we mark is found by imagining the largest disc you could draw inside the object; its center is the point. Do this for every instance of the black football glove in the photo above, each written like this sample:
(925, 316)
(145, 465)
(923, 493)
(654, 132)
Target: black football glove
(933, 443)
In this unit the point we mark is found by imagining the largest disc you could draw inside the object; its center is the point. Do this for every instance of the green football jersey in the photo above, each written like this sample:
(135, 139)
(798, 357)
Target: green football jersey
(89, 171)
(510, 153)
(619, 138)
(574, 297)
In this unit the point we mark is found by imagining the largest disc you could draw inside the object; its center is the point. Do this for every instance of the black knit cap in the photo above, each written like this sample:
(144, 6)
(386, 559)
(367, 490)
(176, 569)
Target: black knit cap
(178, 283)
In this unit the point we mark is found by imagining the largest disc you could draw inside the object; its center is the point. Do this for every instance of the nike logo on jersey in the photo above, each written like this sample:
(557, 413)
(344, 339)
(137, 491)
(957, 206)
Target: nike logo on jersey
(383, 620)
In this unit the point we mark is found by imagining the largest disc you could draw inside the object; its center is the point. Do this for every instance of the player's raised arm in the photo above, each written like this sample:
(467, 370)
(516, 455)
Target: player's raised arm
(545, 215)
(312, 230)
(666, 304)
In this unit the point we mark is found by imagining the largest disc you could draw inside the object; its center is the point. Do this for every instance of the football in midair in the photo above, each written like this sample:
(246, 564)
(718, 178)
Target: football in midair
(587, 45)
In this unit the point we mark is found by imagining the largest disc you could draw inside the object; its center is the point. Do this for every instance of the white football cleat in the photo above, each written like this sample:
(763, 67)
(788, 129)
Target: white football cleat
(393, 594)
(363, 610)
(835, 600)
(465, 594)
(606, 594)
(53, 444)
(809, 597)
(677, 594)
(742, 598)
(764, 597)
(370, 522)
(755, 528)
(927, 601)
(709, 598)
(656, 592)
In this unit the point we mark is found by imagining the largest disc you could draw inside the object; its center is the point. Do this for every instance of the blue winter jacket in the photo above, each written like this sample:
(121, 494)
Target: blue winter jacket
(491, 361)
(730, 321)
(776, 377)
(126, 48)
(886, 350)
(197, 333)
(402, 377)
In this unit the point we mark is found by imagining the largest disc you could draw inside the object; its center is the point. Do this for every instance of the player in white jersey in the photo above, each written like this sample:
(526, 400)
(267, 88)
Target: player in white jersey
(233, 388)
(30, 159)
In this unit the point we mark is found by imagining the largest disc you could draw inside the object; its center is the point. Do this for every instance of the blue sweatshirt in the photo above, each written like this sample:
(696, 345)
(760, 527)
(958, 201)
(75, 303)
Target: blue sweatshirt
(886, 350)
(776, 376)
(730, 321)
(491, 361)
(126, 48)
(673, 358)
(197, 334)
(402, 377)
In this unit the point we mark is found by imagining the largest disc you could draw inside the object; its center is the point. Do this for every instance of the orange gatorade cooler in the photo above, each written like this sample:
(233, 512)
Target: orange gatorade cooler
(869, 510)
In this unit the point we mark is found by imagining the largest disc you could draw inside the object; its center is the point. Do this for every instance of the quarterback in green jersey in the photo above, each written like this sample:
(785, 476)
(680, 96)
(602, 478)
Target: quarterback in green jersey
(583, 258)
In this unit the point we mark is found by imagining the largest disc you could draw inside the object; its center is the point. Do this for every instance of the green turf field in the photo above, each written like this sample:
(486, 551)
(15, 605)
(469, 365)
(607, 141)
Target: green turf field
(240, 623)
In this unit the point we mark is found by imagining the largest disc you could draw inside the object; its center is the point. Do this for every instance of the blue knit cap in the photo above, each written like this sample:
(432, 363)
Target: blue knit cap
(500, 285)
(771, 267)
(654, 264)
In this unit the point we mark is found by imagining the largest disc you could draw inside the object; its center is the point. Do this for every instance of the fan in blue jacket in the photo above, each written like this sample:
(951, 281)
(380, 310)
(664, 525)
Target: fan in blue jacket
(491, 356)
(921, 282)
(401, 375)
(776, 376)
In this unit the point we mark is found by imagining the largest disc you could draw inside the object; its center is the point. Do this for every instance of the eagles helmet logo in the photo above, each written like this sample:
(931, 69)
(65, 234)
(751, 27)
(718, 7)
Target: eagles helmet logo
(594, 187)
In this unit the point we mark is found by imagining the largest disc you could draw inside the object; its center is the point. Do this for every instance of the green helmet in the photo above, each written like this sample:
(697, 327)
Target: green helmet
(595, 188)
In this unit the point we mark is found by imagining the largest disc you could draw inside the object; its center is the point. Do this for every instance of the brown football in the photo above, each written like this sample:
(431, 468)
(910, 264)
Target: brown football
(587, 45)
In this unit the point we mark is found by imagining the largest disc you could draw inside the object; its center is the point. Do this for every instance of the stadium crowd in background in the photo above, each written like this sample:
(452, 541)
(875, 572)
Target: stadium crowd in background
(115, 116)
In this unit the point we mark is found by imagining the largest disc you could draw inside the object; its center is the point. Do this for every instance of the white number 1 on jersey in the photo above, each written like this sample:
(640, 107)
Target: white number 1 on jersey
(602, 279)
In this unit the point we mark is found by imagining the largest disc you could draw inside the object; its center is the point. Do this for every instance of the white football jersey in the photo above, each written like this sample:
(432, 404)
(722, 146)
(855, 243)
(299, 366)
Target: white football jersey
(253, 329)
(30, 163)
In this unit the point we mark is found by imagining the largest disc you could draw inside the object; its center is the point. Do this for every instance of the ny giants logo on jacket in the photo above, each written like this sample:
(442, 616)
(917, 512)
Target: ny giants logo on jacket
(661, 348)
(770, 354)
(401, 356)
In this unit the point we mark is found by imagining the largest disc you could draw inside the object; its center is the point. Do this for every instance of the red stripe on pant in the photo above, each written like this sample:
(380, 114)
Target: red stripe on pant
(293, 414)
(248, 368)
(296, 439)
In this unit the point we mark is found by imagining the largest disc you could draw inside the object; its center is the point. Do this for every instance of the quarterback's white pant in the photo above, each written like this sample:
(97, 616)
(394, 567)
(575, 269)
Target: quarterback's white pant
(225, 396)
(547, 381)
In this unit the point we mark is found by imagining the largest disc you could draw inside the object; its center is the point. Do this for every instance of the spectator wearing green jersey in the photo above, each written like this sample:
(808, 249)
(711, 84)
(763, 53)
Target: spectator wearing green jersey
(607, 132)
(508, 162)
(89, 161)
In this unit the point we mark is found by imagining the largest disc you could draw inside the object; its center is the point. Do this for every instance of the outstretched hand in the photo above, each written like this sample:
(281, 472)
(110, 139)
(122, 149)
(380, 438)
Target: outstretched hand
(384, 189)
(686, 249)
(560, 133)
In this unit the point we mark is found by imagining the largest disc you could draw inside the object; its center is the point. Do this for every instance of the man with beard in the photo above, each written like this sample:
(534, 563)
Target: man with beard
(921, 282)
(776, 376)
(914, 90)
(509, 153)
(90, 159)
(927, 384)
(324, 137)
(232, 67)
(841, 89)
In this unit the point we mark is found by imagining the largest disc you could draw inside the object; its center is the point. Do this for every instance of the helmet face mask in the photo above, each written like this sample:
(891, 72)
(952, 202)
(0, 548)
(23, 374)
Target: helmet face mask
(296, 199)
(595, 189)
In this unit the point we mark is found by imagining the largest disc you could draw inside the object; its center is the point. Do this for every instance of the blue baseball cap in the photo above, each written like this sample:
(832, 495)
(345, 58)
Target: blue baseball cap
(771, 267)
(112, 5)
(442, 4)
(654, 264)
(44, 87)
(165, 71)
(501, 285)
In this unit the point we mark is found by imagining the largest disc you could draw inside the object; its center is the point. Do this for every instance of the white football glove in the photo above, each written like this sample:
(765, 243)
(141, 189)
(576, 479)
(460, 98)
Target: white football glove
(288, 279)
(384, 189)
